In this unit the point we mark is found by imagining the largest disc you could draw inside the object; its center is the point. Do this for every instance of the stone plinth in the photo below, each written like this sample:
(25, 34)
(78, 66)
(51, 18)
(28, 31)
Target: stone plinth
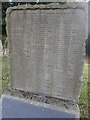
(14, 107)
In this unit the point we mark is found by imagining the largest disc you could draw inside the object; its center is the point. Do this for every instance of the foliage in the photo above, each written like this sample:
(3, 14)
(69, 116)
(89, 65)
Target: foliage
(5, 73)
(5, 5)
(83, 99)
(88, 45)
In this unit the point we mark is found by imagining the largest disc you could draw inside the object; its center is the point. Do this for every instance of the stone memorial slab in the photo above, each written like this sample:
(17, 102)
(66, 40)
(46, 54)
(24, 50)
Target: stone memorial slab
(46, 47)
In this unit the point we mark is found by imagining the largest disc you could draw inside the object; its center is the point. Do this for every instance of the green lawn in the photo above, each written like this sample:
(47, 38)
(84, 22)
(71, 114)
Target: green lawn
(83, 100)
(5, 73)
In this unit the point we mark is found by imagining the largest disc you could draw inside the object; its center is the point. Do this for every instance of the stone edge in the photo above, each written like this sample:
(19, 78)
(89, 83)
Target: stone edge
(73, 5)
(72, 111)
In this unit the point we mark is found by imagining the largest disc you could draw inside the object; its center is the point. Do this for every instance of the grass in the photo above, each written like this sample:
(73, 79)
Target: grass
(5, 73)
(83, 100)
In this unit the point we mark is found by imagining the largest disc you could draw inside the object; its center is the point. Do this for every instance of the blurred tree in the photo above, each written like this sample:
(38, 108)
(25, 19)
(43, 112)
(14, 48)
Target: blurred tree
(88, 46)
(5, 5)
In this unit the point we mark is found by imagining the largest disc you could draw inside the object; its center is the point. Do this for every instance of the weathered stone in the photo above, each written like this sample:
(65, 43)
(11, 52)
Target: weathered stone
(46, 46)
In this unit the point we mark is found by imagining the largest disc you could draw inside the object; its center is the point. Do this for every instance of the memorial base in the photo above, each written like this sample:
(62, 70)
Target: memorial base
(15, 107)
